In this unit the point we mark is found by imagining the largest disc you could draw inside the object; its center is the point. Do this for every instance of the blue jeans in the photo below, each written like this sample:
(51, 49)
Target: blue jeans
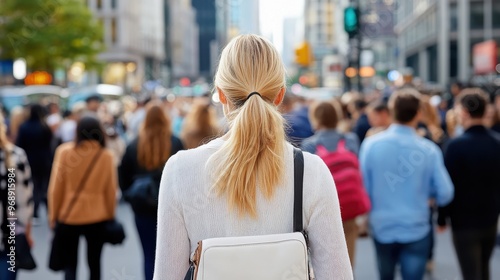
(146, 227)
(5, 273)
(412, 258)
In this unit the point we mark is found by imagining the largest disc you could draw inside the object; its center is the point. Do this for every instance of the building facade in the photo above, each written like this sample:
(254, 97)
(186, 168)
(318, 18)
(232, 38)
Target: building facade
(319, 26)
(206, 19)
(184, 38)
(436, 38)
(134, 37)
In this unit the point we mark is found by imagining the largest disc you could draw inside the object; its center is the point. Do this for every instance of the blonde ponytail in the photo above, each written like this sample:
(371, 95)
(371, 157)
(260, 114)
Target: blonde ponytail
(252, 157)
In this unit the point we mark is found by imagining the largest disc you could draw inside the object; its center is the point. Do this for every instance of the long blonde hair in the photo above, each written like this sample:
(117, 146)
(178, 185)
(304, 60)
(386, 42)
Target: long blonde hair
(253, 155)
(154, 140)
(200, 125)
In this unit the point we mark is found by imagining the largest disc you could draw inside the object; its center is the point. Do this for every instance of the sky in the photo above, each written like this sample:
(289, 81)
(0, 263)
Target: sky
(272, 15)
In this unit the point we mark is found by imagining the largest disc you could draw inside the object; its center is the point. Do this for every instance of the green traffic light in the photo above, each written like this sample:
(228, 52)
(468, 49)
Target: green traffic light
(351, 20)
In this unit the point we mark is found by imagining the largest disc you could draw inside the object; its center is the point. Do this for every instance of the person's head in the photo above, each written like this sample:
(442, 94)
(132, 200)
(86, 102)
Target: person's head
(78, 110)
(429, 113)
(93, 103)
(404, 106)
(456, 88)
(323, 115)
(37, 113)
(470, 106)
(491, 116)
(89, 128)
(154, 140)
(378, 114)
(288, 103)
(360, 105)
(200, 124)
(250, 81)
(53, 108)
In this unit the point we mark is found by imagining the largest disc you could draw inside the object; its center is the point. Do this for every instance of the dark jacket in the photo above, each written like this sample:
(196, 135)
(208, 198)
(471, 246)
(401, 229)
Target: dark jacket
(473, 161)
(361, 127)
(35, 138)
(130, 169)
(299, 127)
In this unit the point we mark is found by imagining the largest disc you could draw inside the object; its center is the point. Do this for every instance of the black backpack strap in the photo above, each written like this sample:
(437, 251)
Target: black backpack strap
(298, 178)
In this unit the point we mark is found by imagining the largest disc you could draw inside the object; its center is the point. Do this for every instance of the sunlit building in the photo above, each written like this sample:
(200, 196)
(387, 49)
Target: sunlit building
(134, 37)
(319, 26)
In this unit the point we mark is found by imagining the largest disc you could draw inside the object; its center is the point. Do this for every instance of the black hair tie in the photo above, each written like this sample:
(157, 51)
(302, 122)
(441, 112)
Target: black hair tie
(253, 93)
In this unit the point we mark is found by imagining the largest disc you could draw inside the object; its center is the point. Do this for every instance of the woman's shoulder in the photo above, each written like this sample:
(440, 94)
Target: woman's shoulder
(65, 147)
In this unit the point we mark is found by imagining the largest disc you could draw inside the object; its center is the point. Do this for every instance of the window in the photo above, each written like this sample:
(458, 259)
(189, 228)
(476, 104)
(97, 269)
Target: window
(453, 17)
(496, 14)
(113, 4)
(476, 15)
(99, 4)
(114, 31)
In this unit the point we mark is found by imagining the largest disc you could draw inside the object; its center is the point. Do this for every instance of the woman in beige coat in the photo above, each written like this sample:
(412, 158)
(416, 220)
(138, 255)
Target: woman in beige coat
(88, 165)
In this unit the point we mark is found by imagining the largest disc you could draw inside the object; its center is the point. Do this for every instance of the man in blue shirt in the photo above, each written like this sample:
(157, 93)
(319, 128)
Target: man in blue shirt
(402, 172)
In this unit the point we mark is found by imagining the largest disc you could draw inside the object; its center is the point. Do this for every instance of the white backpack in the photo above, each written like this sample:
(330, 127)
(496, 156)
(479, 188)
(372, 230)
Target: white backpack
(263, 257)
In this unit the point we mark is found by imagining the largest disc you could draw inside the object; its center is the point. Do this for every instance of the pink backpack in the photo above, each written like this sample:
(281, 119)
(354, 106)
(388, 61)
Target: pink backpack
(344, 166)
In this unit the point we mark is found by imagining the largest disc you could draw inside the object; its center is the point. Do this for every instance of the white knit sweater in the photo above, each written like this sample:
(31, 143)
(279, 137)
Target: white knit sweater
(189, 212)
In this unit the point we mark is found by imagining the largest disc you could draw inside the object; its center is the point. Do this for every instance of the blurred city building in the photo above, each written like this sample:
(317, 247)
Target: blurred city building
(235, 17)
(134, 36)
(293, 35)
(206, 18)
(184, 40)
(436, 38)
(320, 31)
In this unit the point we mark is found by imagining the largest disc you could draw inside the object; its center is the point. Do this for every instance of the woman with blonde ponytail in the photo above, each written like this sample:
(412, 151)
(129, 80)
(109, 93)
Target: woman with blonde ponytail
(242, 183)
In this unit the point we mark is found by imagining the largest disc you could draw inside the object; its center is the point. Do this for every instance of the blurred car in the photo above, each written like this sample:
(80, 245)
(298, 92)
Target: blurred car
(104, 91)
(12, 96)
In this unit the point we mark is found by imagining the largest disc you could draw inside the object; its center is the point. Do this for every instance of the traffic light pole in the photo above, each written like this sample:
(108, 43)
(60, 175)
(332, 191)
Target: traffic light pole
(360, 48)
(358, 62)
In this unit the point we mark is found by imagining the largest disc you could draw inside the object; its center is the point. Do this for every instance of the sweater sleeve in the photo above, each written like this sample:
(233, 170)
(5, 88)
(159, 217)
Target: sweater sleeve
(329, 255)
(24, 189)
(172, 243)
(56, 187)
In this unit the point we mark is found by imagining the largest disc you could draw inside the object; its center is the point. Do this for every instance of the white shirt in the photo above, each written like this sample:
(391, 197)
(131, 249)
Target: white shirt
(54, 119)
(189, 212)
(67, 131)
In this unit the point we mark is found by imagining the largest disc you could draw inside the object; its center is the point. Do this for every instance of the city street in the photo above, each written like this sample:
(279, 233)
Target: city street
(124, 262)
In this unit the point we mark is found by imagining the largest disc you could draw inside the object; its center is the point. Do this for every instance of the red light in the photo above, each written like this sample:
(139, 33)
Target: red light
(185, 82)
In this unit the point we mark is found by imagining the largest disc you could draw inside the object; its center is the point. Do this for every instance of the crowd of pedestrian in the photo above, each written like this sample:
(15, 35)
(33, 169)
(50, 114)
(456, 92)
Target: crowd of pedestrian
(404, 166)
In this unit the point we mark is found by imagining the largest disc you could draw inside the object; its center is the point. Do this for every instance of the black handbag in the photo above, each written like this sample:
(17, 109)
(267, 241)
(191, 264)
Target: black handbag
(24, 258)
(143, 194)
(113, 232)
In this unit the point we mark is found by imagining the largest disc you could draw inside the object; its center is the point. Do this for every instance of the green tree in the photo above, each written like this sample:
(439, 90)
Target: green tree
(49, 33)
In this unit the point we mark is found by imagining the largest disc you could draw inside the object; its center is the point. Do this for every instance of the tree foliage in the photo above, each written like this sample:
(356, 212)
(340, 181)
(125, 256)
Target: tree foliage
(49, 33)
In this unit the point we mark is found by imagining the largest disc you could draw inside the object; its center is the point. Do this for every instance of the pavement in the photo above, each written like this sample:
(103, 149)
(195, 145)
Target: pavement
(124, 262)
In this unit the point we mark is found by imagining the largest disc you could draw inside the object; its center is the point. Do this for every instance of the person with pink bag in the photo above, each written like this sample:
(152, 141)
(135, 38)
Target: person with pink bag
(339, 152)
